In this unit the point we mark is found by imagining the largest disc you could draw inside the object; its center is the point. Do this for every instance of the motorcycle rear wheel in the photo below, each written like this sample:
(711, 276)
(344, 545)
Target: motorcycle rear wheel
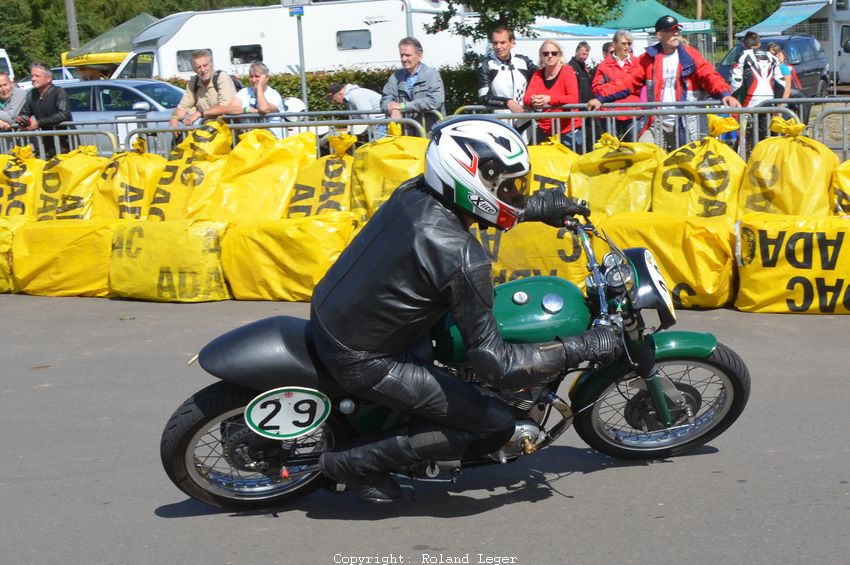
(620, 421)
(204, 443)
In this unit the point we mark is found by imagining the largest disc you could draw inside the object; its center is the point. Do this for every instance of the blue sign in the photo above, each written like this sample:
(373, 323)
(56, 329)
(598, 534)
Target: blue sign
(296, 10)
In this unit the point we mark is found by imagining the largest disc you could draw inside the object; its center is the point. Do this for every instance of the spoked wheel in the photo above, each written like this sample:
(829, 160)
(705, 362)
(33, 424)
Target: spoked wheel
(209, 452)
(622, 420)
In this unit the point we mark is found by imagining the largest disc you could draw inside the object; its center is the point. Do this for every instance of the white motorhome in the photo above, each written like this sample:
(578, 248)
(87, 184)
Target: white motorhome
(336, 34)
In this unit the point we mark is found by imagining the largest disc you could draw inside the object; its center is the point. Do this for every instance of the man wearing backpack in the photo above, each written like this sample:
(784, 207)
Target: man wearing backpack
(756, 77)
(207, 93)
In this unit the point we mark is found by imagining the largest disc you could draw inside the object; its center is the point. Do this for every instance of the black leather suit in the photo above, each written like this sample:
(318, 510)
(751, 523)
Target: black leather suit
(414, 262)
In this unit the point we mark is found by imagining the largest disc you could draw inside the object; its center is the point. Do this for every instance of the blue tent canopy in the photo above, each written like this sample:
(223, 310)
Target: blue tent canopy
(589, 31)
(788, 15)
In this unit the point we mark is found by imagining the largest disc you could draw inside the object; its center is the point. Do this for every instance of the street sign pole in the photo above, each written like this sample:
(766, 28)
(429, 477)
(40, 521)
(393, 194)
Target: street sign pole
(301, 61)
(296, 9)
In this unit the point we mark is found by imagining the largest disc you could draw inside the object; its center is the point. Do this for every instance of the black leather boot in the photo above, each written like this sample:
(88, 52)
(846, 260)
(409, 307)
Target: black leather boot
(365, 468)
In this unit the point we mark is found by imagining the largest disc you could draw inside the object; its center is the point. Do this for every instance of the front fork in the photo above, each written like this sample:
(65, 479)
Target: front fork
(659, 387)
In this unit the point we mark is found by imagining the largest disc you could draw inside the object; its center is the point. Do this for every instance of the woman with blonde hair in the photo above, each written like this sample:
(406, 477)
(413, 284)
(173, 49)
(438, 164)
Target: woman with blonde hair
(549, 88)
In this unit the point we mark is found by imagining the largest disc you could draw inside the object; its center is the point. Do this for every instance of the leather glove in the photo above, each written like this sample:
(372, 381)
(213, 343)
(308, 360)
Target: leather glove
(600, 344)
(552, 207)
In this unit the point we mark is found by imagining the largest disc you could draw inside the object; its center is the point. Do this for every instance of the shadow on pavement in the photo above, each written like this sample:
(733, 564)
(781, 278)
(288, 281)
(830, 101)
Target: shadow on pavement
(530, 479)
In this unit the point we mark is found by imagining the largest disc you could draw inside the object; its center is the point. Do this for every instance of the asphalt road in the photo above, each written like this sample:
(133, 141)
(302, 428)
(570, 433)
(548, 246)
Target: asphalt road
(87, 385)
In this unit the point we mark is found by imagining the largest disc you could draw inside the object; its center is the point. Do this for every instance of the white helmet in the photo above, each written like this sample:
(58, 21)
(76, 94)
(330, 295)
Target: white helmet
(479, 164)
(293, 104)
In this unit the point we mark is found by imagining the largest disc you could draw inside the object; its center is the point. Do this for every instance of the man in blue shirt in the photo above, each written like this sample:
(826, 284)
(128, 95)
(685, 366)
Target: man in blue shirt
(415, 90)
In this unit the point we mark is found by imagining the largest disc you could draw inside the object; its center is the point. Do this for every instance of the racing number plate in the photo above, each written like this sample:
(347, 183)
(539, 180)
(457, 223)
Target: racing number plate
(658, 282)
(287, 412)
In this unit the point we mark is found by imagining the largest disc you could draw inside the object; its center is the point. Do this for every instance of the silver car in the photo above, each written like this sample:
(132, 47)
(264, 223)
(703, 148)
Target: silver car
(121, 106)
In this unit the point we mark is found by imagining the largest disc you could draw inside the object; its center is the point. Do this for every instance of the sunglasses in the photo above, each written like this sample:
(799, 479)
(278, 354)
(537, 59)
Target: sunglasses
(550, 53)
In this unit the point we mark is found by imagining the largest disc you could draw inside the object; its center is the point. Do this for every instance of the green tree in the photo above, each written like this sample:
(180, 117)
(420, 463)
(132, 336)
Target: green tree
(518, 16)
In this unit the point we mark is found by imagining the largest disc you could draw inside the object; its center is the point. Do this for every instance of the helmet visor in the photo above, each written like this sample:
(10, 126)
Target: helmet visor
(514, 192)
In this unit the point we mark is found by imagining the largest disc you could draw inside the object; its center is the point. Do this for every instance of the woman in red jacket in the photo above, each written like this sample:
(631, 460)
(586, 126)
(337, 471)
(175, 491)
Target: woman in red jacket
(613, 68)
(550, 87)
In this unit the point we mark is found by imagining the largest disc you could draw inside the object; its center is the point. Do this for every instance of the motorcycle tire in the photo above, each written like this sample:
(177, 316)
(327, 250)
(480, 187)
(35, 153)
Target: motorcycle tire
(207, 451)
(620, 421)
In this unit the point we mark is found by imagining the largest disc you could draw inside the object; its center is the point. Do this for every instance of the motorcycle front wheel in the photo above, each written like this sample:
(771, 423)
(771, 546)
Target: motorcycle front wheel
(621, 420)
(210, 454)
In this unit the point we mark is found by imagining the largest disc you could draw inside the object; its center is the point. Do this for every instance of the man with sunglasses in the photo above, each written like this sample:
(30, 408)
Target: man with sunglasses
(671, 72)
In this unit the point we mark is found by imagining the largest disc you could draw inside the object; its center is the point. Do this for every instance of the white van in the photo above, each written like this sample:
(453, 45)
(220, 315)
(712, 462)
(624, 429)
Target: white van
(6, 64)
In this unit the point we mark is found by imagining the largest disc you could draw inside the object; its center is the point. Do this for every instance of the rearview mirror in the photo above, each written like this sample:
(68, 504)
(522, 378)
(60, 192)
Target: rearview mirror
(142, 106)
(846, 46)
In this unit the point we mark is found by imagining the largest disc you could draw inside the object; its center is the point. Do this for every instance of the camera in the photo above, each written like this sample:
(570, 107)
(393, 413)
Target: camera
(22, 122)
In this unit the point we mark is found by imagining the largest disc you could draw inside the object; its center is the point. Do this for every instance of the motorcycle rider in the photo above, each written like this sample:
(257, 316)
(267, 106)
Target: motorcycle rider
(414, 262)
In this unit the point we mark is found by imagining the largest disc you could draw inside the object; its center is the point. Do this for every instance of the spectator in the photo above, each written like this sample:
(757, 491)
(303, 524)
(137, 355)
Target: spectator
(259, 98)
(45, 107)
(607, 49)
(503, 77)
(415, 88)
(12, 101)
(671, 72)
(585, 85)
(549, 88)
(356, 98)
(207, 94)
(616, 68)
(756, 78)
(787, 71)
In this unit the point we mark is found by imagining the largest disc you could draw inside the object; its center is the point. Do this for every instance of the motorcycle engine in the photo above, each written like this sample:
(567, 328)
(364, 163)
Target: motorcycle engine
(526, 435)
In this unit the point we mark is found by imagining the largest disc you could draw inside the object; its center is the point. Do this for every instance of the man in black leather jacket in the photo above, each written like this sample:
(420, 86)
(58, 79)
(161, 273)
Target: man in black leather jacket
(414, 262)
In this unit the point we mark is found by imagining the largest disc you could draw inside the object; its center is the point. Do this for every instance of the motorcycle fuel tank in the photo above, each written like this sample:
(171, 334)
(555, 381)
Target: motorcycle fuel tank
(530, 310)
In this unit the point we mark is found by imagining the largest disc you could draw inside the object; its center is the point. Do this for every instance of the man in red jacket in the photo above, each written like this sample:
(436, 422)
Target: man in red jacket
(671, 72)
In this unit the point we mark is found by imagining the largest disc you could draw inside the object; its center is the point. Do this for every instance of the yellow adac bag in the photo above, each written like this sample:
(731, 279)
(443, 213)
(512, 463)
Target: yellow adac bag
(324, 185)
(701, 178)
(695, 254)
(790, 174)
(551, 162)
(176, 261)
(617, 176)
(190, 177)
(534, 249)
(379, 167)
(127, 184)
(62, 257)
(839, 191)
(8, 226)
(792, 264)
(283, 259)
(19, 182)
(68, 184)
(257, 179)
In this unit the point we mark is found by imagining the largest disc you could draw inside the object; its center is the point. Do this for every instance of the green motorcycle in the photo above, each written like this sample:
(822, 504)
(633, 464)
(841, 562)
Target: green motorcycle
(253, 440)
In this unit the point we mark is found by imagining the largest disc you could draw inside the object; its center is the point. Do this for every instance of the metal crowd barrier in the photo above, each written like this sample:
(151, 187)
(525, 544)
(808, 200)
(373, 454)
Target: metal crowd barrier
(828, 132)
(47, 143)
(754, 115)
(800, 108)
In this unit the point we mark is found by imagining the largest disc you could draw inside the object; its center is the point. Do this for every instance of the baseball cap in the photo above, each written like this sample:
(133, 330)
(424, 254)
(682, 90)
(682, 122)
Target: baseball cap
(666, 23)
(334, 87)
